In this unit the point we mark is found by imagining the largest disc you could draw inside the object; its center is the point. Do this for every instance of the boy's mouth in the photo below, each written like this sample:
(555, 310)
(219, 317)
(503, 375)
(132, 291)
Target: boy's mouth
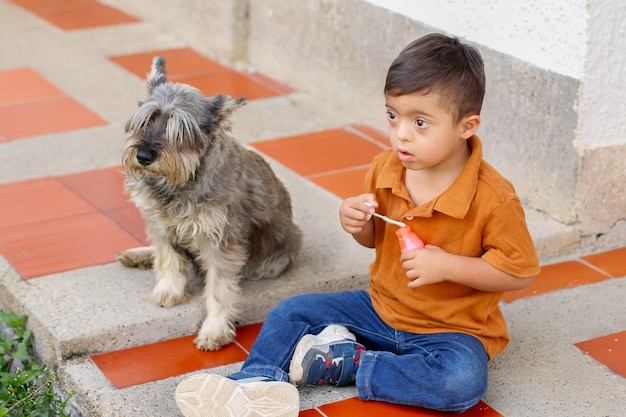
(404, 155)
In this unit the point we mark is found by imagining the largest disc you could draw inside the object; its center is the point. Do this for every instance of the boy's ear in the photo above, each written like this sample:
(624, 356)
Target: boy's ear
(469, 125)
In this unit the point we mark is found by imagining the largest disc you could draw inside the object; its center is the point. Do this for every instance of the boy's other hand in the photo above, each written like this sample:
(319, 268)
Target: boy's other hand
(354, 214)
(425, 266)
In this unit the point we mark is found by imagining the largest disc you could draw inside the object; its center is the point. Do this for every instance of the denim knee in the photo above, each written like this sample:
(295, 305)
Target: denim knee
(291, 308)
(446, 382)
(462, 389)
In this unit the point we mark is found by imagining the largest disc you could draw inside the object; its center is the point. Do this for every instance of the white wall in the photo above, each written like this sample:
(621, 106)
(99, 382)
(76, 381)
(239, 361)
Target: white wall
(550, 34)
(603, 97)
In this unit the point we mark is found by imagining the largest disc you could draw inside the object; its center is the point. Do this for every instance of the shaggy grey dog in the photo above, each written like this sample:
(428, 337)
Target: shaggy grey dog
(212, 207)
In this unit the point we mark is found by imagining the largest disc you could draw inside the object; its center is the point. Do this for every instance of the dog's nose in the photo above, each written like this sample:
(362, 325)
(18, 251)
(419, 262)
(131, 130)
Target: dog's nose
(145, 156)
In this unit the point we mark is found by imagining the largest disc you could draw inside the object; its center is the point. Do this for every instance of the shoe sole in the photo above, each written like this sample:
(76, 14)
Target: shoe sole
(217, 396)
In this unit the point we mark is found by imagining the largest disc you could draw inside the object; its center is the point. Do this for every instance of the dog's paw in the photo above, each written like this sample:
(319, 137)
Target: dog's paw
(212, 343)
(165, 297)
(213, 338)
(137, 257)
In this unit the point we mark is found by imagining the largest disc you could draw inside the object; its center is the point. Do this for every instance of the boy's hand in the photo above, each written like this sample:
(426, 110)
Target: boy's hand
(354, 214)
(432, 265)
(425, 266)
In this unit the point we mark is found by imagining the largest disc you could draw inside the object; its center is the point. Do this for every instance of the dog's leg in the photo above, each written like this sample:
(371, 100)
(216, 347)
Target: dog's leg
(221, 296)
(171, 269)
(137, 257)
(262, 266)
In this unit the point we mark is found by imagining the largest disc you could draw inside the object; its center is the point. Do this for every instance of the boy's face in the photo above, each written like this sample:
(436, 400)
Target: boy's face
(424, 134)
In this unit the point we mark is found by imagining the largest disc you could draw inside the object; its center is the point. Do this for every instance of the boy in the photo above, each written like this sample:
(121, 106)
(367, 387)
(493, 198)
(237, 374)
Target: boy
(424, 331)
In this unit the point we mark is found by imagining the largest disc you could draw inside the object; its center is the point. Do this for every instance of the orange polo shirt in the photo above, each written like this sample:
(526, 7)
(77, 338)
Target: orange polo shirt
(479, 215)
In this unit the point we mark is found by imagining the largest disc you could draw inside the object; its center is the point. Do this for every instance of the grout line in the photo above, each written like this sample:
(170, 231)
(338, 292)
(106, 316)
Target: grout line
(241, 347)
(139, 239)
(336, 171)
(589, 265)
(320, 411)
(38, 100)
(365, 136)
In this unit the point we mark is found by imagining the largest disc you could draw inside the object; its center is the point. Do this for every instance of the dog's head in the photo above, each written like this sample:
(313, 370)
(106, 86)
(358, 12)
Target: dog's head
(173, 128)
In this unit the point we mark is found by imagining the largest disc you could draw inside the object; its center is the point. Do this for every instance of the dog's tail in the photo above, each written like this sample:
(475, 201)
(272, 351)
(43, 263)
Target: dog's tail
(157, 75)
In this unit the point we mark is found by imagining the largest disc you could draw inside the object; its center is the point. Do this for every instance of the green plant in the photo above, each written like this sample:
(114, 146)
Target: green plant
(26, 389)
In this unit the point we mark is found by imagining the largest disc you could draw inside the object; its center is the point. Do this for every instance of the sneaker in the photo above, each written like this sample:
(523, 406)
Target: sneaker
(215, 395)
(331, 357)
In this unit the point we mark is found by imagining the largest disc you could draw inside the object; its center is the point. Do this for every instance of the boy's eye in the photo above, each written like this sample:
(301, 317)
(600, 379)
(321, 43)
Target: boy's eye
(421, 123)
(391, 116)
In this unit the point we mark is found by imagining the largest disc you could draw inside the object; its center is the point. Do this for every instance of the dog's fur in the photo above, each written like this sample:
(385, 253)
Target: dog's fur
(211, 206)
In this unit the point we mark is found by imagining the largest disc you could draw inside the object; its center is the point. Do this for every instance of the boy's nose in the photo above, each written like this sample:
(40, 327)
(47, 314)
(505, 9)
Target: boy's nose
(403, 131)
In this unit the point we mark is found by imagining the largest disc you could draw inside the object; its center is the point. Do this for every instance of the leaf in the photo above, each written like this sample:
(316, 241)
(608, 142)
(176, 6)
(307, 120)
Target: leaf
(13, 320)
(8, 317)
(21, 353)
(26, 336)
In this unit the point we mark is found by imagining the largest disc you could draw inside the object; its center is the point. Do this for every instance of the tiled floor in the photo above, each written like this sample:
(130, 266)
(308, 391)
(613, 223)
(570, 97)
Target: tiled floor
(341, 171)
(356, 408)
(75, 14)
(43, 221)
(24, 93)
(134, 366)
(184, 65)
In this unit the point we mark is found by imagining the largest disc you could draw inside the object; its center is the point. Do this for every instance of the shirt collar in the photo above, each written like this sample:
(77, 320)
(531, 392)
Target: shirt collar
(455, 201)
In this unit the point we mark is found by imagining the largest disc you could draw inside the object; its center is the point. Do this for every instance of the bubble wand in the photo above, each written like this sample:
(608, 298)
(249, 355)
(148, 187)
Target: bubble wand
(406, 237)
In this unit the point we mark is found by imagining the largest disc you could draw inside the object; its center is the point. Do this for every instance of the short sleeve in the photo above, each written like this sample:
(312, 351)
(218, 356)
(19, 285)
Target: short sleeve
(507, 242)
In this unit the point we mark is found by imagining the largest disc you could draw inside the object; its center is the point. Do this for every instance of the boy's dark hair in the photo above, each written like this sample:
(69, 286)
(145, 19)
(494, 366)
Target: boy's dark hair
(441, 64)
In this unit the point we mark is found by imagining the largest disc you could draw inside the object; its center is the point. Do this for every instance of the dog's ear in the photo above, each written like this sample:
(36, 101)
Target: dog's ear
(222, 106)
(157, 75)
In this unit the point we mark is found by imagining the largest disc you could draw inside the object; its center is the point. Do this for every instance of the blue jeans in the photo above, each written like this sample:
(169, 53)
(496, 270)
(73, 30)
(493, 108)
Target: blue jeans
(443, 371)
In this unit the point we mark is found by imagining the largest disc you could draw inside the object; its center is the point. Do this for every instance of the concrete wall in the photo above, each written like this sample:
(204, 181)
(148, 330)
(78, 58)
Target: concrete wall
(601, 139)
(552, 115)
(551, 35)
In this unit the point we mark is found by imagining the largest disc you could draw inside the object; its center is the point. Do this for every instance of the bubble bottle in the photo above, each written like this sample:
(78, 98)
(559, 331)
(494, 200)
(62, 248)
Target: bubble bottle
(408, 239)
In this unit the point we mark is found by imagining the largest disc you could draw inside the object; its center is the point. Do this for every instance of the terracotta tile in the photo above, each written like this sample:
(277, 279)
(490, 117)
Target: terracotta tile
(179, 62)
(246, 335)
(102, 188)
(47, 247)
(25, 84)
(85, 15)
(44, 5)
(556, 277)
(612, 262)
(130, 219)
(343, 184)
(156, 361)
(374, 134)
(354, 407)
(609, 350)
(230, 83)
(320, 152)
(38, 200)
(52, 115)
(185, 65)
(268, 82)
